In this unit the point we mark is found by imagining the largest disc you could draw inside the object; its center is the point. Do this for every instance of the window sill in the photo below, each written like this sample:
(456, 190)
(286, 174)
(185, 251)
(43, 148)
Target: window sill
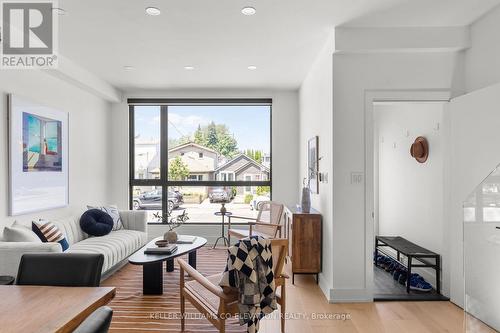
(200, 223)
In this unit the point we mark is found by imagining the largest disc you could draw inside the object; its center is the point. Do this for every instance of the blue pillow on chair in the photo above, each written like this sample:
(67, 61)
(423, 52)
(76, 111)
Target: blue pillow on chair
(95, 222)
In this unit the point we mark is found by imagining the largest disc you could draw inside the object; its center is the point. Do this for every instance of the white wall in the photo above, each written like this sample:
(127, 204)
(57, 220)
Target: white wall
(360, 76)
(284, 138)
(355, 76)
(474, 135)
(410, 194)
(316, 118)
(483, 58)
(474, 120)
(88, 139)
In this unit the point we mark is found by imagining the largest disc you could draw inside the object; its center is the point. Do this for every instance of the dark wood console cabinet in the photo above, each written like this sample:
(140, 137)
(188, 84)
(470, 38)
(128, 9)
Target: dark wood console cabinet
(304, 232)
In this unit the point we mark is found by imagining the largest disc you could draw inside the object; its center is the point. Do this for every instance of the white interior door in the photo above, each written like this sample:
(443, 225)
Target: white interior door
(482, 253)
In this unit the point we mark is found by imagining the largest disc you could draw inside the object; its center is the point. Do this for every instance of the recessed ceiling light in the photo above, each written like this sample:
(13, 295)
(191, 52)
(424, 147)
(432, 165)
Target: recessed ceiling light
(248, 11)
(189, 68)
(252, 68)
(59, 11)
(153, 11)
(128, 68)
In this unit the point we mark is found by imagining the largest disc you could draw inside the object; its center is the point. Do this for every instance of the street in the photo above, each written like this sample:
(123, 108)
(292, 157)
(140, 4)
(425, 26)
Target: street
(204, 212)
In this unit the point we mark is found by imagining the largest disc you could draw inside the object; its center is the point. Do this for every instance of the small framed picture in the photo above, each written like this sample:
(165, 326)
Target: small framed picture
(313, 164)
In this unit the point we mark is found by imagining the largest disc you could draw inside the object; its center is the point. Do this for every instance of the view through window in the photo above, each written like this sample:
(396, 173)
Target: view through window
(193, 157)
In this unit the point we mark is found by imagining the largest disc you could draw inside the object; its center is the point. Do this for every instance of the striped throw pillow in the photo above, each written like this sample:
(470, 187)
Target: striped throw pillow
(48, 232)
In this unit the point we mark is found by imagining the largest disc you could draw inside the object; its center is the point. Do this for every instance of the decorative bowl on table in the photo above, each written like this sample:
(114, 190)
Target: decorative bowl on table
(161, 243)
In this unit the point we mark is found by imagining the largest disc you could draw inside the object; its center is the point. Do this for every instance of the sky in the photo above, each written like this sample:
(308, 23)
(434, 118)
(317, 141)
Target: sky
(250, 125)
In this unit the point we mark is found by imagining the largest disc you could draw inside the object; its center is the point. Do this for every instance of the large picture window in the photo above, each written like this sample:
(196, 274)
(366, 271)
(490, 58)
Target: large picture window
(194, 155)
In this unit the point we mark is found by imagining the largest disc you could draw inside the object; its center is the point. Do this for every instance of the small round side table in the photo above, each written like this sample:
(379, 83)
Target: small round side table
(222, 236)
(6, 280)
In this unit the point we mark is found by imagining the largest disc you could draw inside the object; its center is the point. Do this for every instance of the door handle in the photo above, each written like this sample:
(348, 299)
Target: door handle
(497, 227)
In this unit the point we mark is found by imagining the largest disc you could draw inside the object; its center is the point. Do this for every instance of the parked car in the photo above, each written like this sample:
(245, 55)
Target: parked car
(153, 200)
(218, 194)
(256, 201)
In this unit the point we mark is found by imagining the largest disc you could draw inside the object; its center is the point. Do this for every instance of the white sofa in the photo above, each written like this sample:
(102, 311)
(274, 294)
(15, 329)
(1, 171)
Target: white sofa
(116, 246)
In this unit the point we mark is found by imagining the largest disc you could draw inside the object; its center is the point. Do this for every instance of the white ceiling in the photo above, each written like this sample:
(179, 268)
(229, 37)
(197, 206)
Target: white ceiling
(428, 13)
(282, 39)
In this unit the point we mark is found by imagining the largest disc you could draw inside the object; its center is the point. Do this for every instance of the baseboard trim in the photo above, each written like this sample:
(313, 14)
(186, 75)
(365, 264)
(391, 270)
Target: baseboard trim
(325, 288)
(350, 296)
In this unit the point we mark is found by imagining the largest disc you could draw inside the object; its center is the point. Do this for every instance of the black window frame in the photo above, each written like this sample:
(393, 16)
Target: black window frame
(163, 182)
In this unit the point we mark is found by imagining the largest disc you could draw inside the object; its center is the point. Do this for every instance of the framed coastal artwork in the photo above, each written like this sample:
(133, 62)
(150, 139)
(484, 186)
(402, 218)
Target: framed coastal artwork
(313, 164)
(38, 156)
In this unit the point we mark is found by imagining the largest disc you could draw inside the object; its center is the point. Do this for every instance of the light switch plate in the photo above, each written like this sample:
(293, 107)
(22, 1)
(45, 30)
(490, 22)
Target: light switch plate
(357, 178)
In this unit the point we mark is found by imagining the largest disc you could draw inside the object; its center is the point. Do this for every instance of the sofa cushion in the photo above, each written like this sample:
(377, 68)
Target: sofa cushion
(48, 232)
(19, 234)
(70, 227)
(11, 253)
(116, 246)
(96, 222)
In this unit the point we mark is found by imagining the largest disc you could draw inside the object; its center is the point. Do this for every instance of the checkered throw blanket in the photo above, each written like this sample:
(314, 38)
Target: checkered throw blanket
(250, 270)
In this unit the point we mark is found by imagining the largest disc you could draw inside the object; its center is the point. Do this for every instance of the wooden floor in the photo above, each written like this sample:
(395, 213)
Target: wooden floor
(398, 317)
(134, 312)
(307, 309)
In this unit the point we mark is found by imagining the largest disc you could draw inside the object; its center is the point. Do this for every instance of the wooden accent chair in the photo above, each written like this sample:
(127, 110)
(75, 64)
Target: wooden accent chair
(216, 304)
(268, 223)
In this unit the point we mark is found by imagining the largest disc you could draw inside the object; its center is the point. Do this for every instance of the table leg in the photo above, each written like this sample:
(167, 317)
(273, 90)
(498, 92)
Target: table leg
(438, 274)
(152, 278)
(216, 241)
(192, 259)
(222, 229)
(170, 265)
(222, 236)
(409, 275)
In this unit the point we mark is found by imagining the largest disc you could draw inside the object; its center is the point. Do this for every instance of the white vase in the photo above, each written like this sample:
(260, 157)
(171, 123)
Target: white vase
(306, 199)
(170, 236)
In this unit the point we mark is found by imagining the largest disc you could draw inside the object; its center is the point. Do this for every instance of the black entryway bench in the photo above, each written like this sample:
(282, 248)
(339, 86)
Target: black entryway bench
(411, 251)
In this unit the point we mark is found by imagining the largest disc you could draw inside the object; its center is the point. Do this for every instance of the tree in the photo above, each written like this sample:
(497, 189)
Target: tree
(178, 170)
(212, 136)
(227, 146)
(177, 142)
(255, 155)
(263, 190)
(258, 156)
(198, 136)
(216, 137)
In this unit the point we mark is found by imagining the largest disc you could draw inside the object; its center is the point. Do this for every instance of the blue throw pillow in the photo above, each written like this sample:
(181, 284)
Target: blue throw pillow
(48, 232)
(112, 210)
(95, 222)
